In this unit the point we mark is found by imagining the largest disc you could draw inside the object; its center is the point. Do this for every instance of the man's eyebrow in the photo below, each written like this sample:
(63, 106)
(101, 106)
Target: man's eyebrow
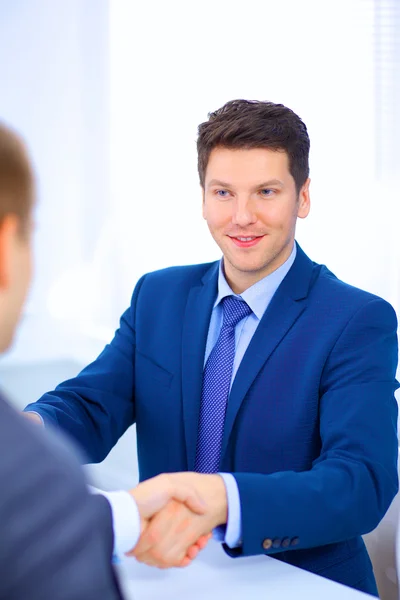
(264, 184)
(218, 182)
(268, 183)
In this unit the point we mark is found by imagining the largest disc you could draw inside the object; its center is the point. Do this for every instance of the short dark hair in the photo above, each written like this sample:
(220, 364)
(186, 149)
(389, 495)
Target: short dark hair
(16, 178)
(254, 124)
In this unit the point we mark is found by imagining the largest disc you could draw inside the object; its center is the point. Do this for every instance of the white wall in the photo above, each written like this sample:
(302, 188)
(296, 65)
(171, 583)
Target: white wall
(54, 89)
(173, 62)
(109, 96)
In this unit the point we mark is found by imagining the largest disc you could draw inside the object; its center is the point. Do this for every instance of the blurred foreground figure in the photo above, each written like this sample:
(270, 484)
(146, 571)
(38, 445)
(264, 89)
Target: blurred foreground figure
(56, 540)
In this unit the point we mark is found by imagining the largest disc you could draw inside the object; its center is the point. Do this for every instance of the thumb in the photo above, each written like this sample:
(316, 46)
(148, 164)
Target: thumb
(190, 497)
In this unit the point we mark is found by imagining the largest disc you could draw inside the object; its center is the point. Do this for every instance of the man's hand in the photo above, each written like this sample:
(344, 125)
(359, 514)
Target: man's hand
(33, 417)
(153, 495)
(169, 537)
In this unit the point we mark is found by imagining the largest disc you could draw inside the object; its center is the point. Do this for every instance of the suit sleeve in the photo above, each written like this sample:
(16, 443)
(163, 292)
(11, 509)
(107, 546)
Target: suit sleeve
(353, 481)
(97, 407)
(56, 539)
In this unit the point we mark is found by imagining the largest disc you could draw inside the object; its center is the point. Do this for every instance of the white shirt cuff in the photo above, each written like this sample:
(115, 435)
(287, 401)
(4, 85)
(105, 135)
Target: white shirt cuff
(232, 533)
(126, 519)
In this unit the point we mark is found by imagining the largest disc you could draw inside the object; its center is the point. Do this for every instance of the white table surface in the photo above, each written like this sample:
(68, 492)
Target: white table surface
(213, 575)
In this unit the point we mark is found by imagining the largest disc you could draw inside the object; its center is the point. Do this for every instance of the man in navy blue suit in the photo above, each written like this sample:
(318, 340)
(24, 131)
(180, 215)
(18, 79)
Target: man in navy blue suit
(263, 375)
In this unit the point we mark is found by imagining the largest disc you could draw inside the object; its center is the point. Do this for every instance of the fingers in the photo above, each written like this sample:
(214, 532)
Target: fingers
(193, 552)
(181, 542)
(170, 540)
(144, 555)
(158, 529)
(203, 541)
(177, 520)
(185, 563)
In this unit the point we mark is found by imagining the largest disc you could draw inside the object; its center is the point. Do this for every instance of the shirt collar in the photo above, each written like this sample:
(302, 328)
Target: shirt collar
(259, 295)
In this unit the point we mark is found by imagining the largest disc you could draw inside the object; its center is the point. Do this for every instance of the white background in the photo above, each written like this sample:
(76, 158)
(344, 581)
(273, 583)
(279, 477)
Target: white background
(109, 93)
(109, 96)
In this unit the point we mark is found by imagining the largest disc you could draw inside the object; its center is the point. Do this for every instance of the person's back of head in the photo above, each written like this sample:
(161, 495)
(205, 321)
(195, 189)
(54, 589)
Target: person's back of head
(247, 124)
(16, 204)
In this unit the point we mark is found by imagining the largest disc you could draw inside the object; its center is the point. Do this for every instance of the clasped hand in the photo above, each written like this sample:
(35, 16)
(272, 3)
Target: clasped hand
(178, 513)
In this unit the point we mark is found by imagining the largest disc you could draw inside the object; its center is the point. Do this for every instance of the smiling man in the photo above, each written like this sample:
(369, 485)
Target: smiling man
(252, 220)
(267, 378)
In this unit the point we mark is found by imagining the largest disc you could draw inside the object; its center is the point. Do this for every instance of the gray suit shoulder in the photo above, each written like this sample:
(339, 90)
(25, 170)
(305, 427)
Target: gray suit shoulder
(56, 538)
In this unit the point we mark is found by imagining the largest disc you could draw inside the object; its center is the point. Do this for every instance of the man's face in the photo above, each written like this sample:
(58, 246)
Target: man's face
(251, 206)
(15, 276)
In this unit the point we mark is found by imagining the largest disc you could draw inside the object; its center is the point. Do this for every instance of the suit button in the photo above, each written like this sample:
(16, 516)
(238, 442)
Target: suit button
(285, 542)
(294, 541)
(267, 543)
(276, 542)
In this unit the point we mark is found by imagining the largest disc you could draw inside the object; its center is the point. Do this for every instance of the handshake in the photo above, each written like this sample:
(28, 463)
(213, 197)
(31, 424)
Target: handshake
(178, 512)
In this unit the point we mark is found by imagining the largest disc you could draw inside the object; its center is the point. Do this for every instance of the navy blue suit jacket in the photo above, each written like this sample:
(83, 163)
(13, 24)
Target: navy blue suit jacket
(310, 431)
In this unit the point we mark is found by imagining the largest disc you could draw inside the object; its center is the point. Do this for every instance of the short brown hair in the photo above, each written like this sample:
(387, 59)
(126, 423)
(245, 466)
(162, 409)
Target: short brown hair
(16, 178)
(255, 124)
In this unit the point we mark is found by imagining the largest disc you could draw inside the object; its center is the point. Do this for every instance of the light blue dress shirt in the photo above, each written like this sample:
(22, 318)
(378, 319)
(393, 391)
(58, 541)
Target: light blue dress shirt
(258, 297)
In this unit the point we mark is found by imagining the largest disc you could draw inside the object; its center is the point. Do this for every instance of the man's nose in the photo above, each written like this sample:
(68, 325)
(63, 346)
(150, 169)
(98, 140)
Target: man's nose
(243, 212)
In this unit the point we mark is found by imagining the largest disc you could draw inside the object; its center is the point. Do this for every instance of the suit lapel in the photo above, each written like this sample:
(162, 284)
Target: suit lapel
(195, 330)
(288, 303)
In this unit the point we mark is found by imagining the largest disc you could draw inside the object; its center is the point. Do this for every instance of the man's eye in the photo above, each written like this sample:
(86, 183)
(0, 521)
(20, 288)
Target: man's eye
(266, 192)
(222, 193)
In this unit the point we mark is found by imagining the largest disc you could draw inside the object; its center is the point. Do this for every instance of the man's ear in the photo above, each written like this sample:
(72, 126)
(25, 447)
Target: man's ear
(304, 200)
(203, 205)
(8, 232)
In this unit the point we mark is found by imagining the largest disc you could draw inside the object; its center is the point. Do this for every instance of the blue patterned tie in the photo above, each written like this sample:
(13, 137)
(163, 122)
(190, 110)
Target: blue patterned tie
(216, 385)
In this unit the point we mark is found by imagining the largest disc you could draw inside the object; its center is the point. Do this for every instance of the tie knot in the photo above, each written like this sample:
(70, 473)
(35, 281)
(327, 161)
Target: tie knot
(234, 310)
